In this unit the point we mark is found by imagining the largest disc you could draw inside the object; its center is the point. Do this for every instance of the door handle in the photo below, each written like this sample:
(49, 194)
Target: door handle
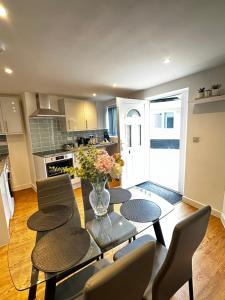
(86, 124)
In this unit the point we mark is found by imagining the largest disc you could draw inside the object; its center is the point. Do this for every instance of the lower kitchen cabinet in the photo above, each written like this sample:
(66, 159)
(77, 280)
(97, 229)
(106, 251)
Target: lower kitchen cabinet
(6, 206)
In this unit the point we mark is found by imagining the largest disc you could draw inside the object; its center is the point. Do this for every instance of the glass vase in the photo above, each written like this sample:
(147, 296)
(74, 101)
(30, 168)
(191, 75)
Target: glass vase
(99, 198)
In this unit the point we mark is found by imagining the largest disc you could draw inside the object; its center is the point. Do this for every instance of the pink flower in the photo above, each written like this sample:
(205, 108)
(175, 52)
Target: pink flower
(104, 163)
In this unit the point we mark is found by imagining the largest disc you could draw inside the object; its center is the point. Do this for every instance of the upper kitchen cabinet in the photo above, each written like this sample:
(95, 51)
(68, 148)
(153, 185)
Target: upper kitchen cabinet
(90, 114)
(80, 114)
(74, 111)
(11, 118)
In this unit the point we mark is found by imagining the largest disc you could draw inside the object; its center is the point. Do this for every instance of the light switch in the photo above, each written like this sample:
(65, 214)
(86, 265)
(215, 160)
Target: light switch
(196, 139)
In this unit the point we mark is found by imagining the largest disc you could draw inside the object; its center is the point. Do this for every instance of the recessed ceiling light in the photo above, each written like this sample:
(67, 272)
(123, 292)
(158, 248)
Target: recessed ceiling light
(94, 95)
(8, 70)
(3, 12)
(166, 60)
(114, 85)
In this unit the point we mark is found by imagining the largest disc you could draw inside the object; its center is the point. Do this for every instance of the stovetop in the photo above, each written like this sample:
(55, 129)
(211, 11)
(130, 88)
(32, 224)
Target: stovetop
(52, 152)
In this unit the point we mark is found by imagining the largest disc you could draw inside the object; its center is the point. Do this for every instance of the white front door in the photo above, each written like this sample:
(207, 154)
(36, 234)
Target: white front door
(134, 140)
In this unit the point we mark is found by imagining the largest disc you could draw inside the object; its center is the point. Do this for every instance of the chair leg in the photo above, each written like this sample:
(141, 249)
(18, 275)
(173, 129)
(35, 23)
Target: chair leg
(191, 291)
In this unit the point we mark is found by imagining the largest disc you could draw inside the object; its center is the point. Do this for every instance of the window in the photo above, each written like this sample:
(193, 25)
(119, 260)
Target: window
(158, 120)
(133, 113)
(168, 120)
(112, 120)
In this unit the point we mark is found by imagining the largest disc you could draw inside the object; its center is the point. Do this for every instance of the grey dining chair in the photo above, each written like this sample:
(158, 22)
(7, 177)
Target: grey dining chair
(58, 190)
(173, 268)
(125, 232)
(126, 278)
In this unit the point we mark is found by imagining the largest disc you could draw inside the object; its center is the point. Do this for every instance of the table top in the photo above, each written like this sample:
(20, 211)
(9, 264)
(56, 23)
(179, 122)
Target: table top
(105, 233)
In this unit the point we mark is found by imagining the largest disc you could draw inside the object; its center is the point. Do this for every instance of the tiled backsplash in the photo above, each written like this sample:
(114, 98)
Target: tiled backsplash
(46, 135)
(3, 145)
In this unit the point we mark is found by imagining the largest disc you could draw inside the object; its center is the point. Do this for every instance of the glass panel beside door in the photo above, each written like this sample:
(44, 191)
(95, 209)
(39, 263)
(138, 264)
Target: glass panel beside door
(165, 130)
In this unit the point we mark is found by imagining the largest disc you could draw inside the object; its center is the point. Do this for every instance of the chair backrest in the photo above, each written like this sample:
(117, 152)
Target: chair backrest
(177, 267)
(86, 188)
(127, 278)
(57, 190)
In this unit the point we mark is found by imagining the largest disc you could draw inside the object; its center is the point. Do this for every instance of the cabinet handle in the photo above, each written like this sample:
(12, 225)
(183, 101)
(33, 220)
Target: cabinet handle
(69, 124)
(86, 124)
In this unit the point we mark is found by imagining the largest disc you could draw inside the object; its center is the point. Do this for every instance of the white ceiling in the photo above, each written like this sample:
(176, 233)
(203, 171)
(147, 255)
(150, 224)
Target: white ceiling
(78, 47)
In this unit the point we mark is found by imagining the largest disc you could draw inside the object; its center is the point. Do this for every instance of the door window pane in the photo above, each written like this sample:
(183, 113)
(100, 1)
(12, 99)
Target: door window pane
(168, 120)
(112, 120)
(157, 120)
(133, 113)
(129, 136)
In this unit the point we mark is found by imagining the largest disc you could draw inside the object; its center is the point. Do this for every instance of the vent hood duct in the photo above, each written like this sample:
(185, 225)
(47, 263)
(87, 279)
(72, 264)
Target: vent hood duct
(45, 105)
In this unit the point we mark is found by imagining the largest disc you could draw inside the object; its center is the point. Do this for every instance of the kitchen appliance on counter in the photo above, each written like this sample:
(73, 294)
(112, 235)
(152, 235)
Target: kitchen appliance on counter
(46, 164)
(68, 147)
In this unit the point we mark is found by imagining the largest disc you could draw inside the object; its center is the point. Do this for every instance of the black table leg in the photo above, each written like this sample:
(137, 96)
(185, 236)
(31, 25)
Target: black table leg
(32, 292)
(158, 233)
(33, 281)
(50, 289)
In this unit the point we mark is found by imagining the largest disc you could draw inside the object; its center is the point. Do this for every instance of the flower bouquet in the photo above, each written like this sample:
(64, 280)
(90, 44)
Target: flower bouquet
(97, 166)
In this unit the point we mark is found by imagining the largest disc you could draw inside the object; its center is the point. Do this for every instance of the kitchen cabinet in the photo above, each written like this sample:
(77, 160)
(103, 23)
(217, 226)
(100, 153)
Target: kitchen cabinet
(80, 114)
(6, 206)
(90, 114)
(74, 111)
(10, 116)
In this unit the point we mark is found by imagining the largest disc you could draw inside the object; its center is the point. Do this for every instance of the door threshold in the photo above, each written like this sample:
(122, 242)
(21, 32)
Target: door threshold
(165, 187)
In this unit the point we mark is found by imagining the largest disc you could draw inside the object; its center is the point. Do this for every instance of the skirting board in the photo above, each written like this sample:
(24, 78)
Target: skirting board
(22, 187)
(215, 212)
(223, 219)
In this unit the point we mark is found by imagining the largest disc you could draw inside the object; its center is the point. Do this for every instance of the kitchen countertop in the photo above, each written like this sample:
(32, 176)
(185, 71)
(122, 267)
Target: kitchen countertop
(3, 161)
(62, 152)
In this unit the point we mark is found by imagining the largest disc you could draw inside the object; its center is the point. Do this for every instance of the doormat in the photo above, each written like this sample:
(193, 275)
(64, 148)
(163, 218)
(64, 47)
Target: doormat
(168, 195)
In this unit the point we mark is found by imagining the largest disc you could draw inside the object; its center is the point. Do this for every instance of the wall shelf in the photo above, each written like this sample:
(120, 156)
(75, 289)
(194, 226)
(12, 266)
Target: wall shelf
(208, 99)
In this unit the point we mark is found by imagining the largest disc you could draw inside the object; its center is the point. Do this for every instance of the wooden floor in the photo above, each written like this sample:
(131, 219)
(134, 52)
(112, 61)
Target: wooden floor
(208, 262)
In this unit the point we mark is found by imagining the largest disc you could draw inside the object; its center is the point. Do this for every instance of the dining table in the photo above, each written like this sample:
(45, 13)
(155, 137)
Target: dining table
(36, 257)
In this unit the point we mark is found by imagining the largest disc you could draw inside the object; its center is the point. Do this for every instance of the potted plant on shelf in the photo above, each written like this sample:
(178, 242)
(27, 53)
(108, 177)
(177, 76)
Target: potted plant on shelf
(208, 93)
(216, 89)
(98, 167)
(201, 92)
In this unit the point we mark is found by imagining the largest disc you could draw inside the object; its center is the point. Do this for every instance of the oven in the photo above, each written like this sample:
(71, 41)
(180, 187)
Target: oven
(58, 161)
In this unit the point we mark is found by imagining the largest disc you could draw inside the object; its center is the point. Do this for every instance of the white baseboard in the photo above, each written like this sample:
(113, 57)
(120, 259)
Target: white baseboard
(223, 219)
(215, 212)
(76, 185)
(22, 187)
(33, 186)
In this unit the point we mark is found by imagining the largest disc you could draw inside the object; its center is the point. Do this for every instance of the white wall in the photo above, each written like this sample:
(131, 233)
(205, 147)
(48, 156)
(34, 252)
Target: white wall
(29, 106)
(101, 107)
(205, 161)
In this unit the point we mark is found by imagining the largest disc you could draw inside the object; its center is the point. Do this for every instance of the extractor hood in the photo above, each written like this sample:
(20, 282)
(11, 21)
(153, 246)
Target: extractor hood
(47, 107)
